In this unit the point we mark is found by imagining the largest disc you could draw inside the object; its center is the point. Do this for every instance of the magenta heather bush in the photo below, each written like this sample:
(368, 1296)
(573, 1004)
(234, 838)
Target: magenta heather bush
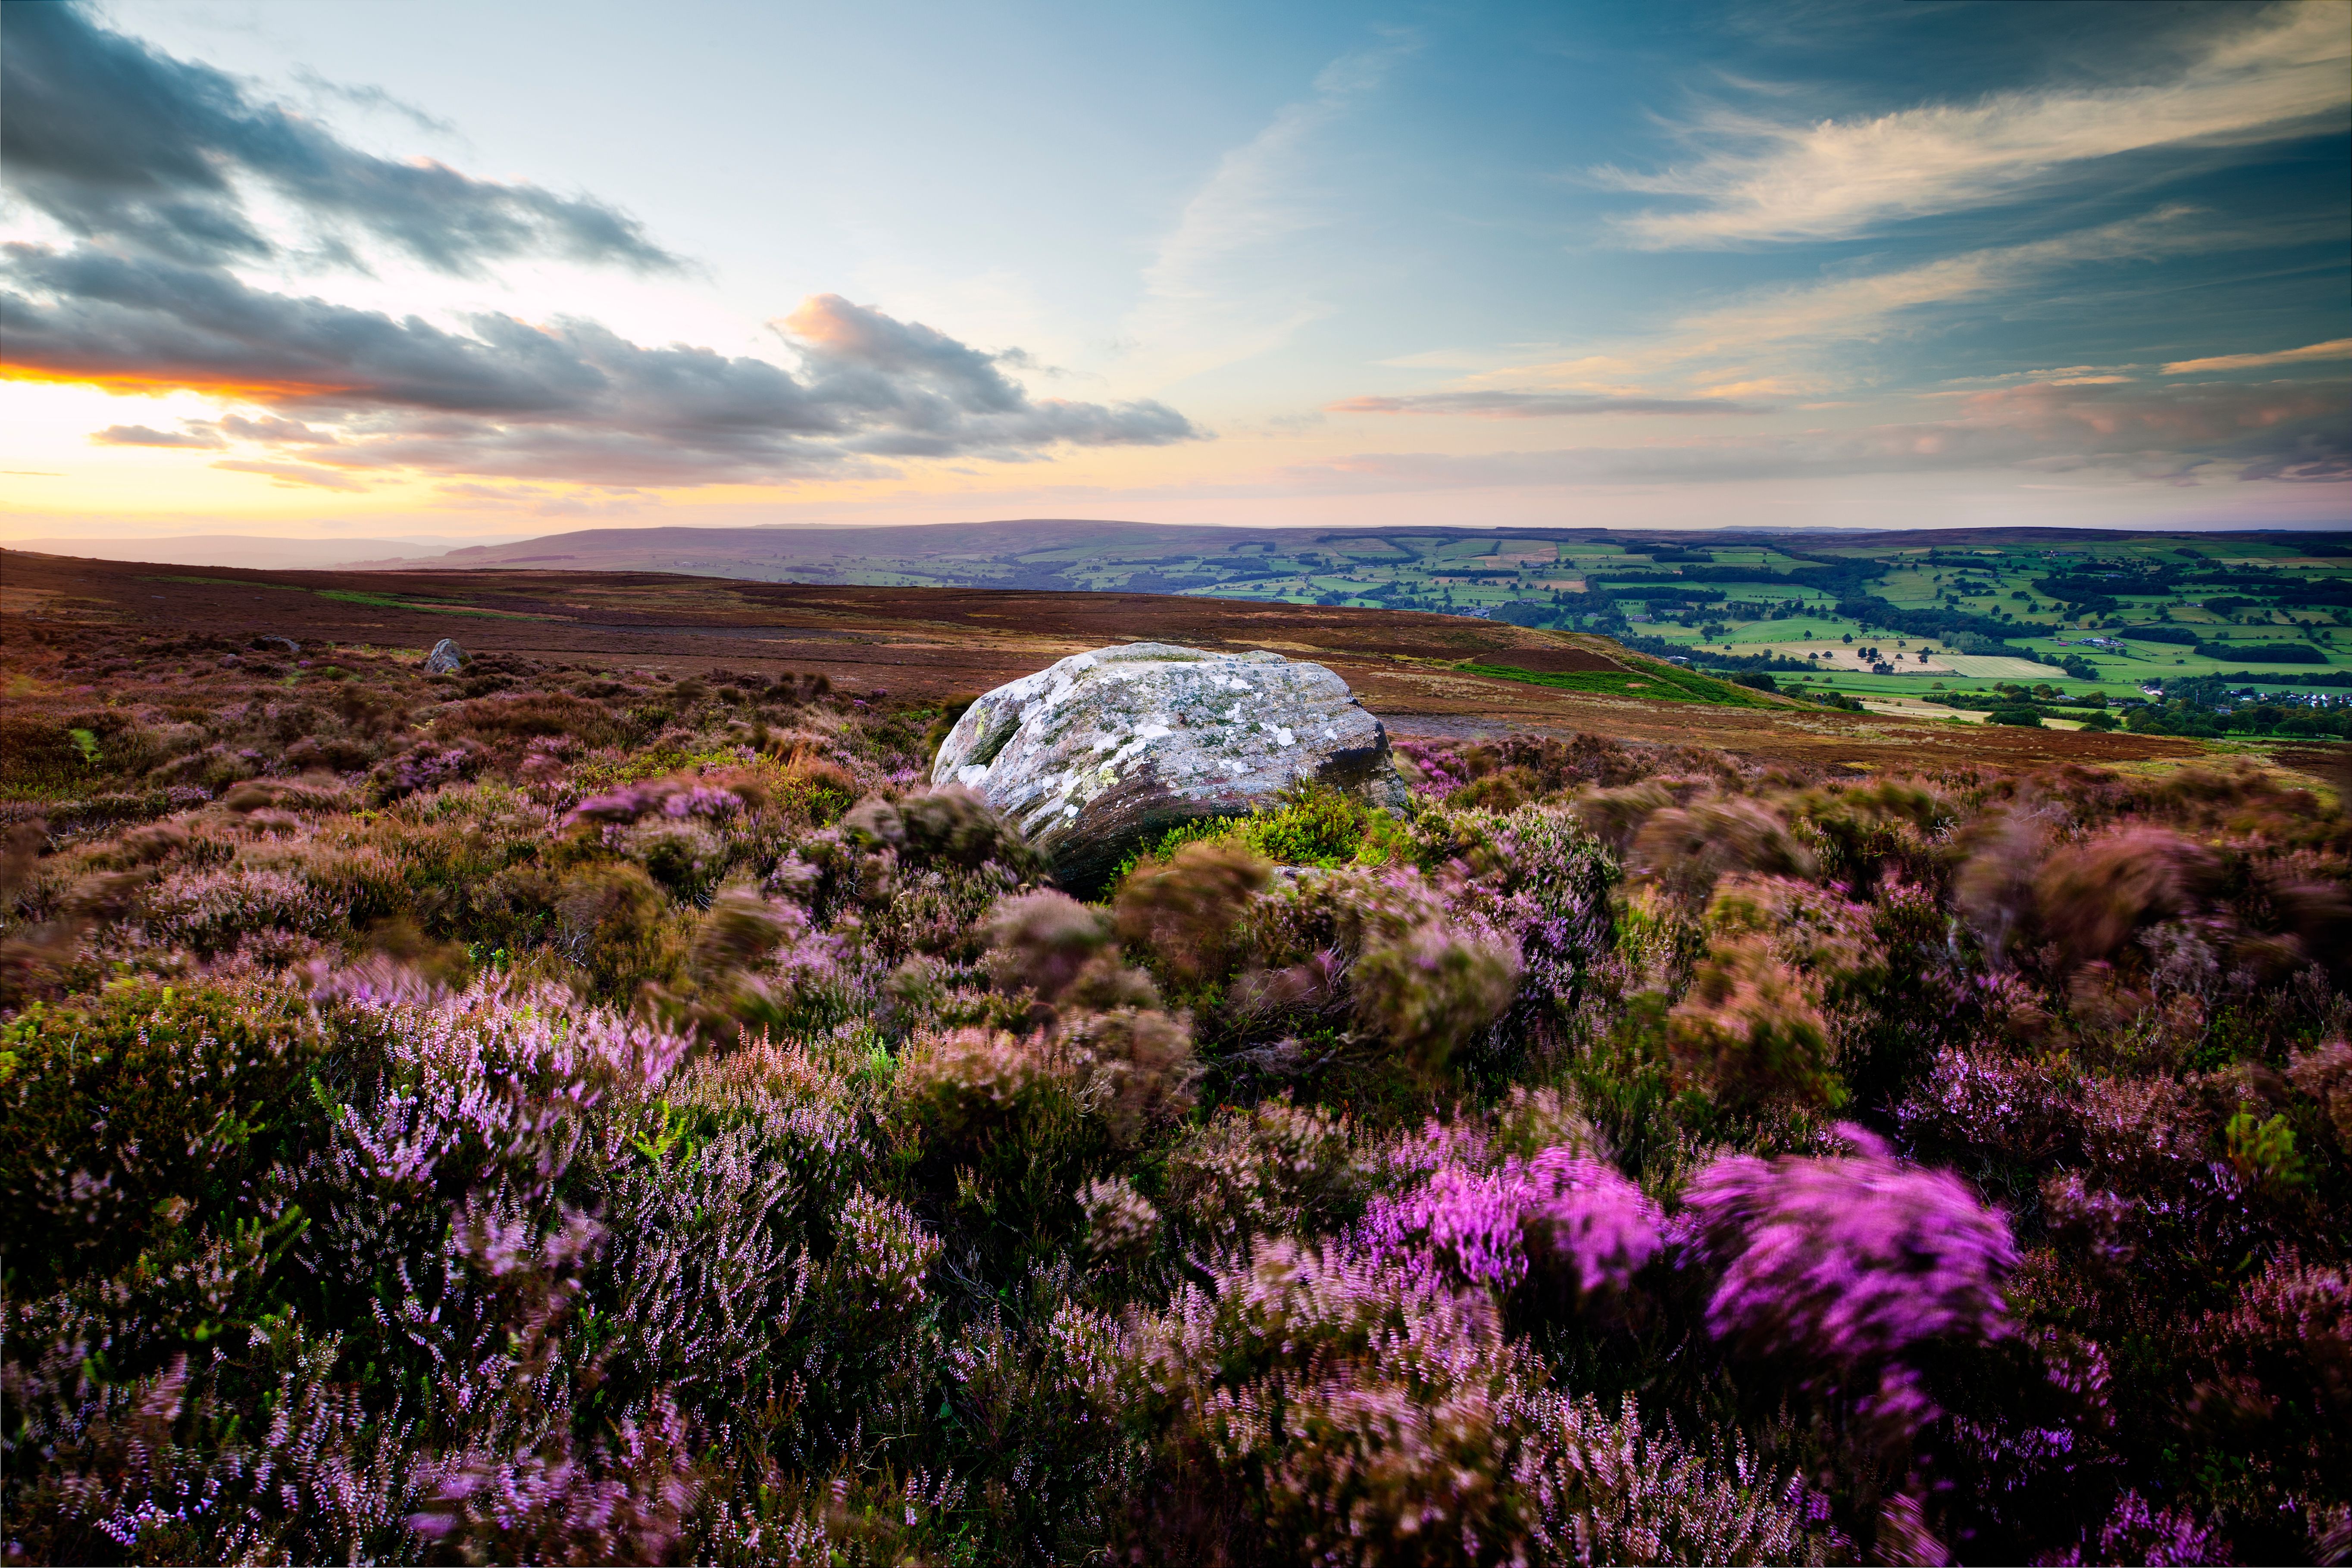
(1563, 1208)
(1848, 1265)
(1355, 1413)
(1436, 771)
(673, 797)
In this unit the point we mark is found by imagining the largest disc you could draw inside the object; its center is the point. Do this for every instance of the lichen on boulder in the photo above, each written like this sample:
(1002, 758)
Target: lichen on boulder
(1104, 750)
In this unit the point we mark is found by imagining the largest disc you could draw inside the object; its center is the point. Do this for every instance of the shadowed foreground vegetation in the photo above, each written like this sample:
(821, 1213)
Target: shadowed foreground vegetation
(546, 1112)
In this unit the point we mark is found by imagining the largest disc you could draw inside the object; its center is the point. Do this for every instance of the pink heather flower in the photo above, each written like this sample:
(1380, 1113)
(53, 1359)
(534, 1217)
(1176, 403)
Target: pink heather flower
(1443, 772)
(1602, 1225)
(1850, 1262)
(1492, 1227)
(702, 801)
(677, 798)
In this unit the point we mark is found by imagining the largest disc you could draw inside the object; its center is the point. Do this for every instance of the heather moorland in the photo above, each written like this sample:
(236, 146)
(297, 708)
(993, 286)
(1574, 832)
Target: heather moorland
(558, 1111)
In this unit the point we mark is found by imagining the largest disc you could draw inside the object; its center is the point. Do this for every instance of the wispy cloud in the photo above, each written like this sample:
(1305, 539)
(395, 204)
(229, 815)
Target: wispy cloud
(1500, 404)
(2173, 435)
(1210, 295)
(295, 475)
(1776, 341)
(1759, 180)
(198, 439)
(2335, 348)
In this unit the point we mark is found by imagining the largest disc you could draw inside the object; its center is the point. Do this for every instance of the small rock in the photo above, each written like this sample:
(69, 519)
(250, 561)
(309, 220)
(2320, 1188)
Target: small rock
(230, 661)
(445, 656)
(288, 644)
(1104, 751)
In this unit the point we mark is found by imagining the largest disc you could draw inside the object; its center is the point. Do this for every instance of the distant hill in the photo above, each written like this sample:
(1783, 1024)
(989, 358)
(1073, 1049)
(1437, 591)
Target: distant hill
(978, 552)
(255, 550)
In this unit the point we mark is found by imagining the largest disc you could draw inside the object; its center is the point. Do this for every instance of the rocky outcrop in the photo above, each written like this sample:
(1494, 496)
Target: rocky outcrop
(1104, 750)
(446, 657)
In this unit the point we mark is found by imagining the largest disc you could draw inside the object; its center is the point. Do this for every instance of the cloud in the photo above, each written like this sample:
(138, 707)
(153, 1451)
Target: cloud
(125, 146)
(198, 439)
(1502, 404)
(2337, 348)
(1212, 297)
(1791, 327)
(294, 474)
(277, 431)
(2278, 75)
(2178, 434)
(147, 159)
(540, 500)
(567, 400)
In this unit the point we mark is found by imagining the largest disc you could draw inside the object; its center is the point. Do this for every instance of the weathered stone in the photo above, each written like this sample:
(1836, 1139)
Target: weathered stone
(1105, 751)
(445, 656)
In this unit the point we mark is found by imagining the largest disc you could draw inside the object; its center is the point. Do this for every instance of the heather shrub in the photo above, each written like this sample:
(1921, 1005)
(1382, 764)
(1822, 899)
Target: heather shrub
(1684, 849)
(631, 1123)
(1861, 834)
(1574, 1226)
(950, 824)
(971, 1088)
(2325, 1074)
(1537, 873)
(1425, 994)
(2093, 896)
(145, 1108)
(1851, 1272)
(1139, 1067)
(1181, 915)
(609, 921)
(1308, 1404)
(1122, 1222)
(1274, 1167)
(1044, 941)
(1751, 1032)
(210, 911)
(1615, 815)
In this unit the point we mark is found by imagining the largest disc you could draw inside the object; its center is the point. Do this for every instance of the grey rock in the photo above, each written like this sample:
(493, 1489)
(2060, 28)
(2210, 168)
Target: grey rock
(445, 656)
(1095, 754)
(288, 644)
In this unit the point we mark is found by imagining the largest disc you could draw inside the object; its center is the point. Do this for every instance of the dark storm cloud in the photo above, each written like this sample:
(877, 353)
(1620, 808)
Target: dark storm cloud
(1536, 405)
(566, 400)
(126, 146)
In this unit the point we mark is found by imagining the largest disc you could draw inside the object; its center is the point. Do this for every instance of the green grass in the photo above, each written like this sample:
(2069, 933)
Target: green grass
(1656, 685)
(384, 601)
(1317, 826)
(233, 582)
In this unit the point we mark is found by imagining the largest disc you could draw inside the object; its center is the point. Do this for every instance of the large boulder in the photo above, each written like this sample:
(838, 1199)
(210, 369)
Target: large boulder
(445, 658)
(1105, 751)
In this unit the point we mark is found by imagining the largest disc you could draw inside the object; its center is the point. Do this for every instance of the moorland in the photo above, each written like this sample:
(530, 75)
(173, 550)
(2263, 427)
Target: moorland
(600, 1104)
(1901, 619)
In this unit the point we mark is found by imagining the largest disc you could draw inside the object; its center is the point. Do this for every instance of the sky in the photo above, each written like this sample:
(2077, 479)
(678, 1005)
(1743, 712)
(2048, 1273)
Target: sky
(469, 271)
